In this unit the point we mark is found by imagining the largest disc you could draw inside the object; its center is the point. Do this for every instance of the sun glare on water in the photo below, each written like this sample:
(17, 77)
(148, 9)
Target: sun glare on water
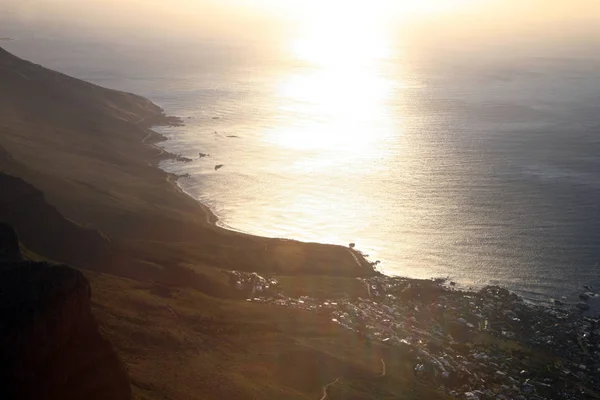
(337, 97)
(337, 110)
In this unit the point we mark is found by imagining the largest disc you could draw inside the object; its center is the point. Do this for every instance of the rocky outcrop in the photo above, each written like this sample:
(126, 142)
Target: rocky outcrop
(9, 245)
(50, 345)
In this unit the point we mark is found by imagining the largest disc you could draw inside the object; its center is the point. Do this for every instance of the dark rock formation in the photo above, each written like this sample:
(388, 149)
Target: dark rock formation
(181, 158)
(583, 306)
(9, 244)
(50, 345)
(218, 166)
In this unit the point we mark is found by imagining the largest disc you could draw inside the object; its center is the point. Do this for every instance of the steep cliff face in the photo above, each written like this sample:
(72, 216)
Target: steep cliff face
(50, 345)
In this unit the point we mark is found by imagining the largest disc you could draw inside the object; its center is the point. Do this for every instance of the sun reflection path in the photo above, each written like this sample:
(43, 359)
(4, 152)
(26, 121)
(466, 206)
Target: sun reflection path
(338, 97)
(335, 124)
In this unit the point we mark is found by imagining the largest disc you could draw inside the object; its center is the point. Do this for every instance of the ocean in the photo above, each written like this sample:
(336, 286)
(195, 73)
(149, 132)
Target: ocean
(480, 164)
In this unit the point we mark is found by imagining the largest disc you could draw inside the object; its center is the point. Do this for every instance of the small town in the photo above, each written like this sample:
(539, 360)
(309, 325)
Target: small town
(488, 344)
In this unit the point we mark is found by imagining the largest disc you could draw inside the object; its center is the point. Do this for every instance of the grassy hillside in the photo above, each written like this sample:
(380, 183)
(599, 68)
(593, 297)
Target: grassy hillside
(187, 345)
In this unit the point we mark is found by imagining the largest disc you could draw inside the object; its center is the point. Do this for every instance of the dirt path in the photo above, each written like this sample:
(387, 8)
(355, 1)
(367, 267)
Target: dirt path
(160, 149)
(383, 369)
(326, 388)
(15, 72)
(330, 384)
(368, 289)
(356, 260)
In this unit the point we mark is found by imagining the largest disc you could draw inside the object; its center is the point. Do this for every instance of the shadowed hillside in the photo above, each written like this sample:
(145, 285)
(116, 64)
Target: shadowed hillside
(46, 231)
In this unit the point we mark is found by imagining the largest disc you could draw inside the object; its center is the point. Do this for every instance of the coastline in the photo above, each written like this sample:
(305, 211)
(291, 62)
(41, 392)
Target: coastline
(122, 192)
(478, 330)
(172, 179)
(212, 219)
(326, 306)
(152, 140)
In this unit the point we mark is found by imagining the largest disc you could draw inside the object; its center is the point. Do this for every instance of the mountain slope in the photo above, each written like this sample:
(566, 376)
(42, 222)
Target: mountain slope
(86, 148)
(46, 231)
(79, 168)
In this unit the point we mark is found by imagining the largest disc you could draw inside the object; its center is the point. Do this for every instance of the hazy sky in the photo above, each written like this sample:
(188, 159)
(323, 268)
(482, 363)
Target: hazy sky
(254, 19)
